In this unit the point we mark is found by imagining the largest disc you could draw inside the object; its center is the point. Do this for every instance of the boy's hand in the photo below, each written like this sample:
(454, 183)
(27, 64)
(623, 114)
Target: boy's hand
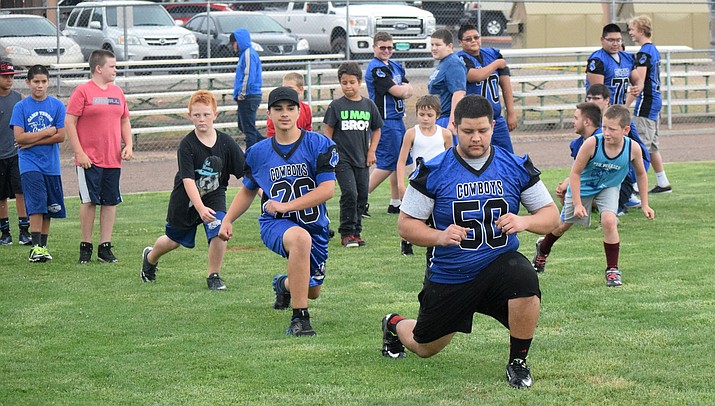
(274, 206)
(510, 223)
(452, 235)
(83, 160)
(127, 153)
(206, 214)
(371, 158)
(561, 192)
(649, 213)
(226, 231)
(579, 211)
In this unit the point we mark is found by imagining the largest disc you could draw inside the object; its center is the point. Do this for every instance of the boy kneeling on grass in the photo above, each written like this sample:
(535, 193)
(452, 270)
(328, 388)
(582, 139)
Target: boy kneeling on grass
(207, 158)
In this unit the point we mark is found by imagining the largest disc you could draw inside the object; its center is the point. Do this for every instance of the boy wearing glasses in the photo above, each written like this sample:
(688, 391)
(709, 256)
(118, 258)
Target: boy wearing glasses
(486, 72)
(388, 88)
(613, 67)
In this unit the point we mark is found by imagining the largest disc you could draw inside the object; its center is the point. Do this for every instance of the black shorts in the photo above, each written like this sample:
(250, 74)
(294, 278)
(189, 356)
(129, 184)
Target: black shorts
(445, 309)
(10, 184)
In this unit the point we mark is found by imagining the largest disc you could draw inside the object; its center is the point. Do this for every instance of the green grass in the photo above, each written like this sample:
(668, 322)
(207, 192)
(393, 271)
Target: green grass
(94, 334)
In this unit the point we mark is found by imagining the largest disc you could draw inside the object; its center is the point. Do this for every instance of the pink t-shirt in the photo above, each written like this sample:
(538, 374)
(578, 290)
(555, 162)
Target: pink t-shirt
(100, 113)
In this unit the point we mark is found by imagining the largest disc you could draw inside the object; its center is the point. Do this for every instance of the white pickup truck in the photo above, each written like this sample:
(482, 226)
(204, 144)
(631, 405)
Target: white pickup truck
(324, 25)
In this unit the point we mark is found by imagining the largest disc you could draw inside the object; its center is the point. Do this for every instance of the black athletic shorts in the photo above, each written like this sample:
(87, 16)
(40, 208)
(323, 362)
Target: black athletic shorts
(445, 309)
(10, 184)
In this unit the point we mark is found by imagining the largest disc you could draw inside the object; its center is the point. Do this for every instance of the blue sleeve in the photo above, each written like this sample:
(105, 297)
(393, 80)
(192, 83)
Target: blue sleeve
(238, 80)
(457, 78)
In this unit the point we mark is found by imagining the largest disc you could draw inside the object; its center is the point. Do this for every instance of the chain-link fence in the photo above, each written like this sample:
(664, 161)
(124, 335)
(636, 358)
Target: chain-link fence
(161, 62)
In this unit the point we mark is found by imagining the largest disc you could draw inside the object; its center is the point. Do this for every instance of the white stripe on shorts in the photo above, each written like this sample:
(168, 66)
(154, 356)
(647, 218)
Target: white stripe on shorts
(83, 189)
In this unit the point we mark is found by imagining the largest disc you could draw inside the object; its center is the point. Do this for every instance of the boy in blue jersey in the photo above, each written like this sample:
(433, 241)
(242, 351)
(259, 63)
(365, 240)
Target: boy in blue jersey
(38, 123)
(296, 171)
(463, 204)
(206, 159)
(487, 71)
(247, 85)
(613, 67)
(601, 165)
(388, 88)
(449, 79)
(649, 102)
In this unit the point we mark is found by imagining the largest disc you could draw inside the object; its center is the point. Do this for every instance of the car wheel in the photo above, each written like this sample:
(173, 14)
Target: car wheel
(493, 24)
(338, 43)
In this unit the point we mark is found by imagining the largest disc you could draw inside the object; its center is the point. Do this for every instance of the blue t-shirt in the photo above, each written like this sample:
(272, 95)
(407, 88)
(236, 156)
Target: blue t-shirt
(602, 171)
(448, 77)
(489, 87)
(650, 101)
(474, 199)
(34, 116)
(379, 78)
(615, 74)
(286, 175)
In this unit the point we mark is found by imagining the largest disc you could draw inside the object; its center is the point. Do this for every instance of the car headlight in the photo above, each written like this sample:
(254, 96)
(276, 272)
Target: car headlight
(16, 50)
(302, 45)
(430, 25)
(359, 25)
(189, 39)
(257, 46)
(129, 39)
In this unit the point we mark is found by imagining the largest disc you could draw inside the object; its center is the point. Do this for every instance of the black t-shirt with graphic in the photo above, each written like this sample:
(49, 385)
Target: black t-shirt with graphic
(210, 168)
(353, 123)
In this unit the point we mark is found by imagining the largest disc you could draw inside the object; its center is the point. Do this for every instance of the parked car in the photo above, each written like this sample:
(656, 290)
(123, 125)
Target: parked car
(27, 40)
(495, 16)
(151, 33)
(445, 12)
(184, 11)
(269, 38)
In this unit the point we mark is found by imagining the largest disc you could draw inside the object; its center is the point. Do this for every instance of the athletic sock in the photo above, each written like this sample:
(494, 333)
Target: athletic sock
(281, 284)
(23, 222)
(547, 243)
(395, 202)
(4, 224)
(301, 313)
(518, 348)
(36, 238)
(662, 179)
(612, 251)
(43, 240)
(392, 323)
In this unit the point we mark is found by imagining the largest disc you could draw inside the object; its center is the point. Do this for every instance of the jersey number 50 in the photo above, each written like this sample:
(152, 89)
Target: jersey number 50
(483, 230)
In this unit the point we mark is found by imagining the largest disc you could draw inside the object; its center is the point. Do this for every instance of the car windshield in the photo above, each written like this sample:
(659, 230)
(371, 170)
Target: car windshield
(254, 23)
(27, 27)
(143, 16)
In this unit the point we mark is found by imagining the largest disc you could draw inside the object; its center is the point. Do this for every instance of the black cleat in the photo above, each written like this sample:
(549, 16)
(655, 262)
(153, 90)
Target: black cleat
(105, 254)
(300, 327)
(85, 252)
(661, 189)
(406, 248)
(393, 209)
(6, 238)
(25, 238)
(539, 262)
(391, 345)
(215, 283)
(613, 277)
(518, 374)
(365, 212)
(148, 272)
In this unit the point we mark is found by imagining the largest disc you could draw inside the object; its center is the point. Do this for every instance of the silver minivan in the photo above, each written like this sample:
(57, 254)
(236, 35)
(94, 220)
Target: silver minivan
(132, 30)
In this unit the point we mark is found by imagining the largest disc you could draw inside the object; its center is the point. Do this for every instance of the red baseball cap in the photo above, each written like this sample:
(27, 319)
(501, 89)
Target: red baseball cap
(6, 68)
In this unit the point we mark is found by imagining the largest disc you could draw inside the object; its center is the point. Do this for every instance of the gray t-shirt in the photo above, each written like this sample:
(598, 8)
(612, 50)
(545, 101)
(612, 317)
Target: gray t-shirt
(7, 137)
(353, 123)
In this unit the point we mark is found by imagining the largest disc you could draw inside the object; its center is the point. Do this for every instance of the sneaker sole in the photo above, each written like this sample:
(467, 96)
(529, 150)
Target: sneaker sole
(107, 261)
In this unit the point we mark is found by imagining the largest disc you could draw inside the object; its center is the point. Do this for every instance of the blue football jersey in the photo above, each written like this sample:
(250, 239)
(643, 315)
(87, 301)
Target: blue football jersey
(488, 88)
(448, 77)
(379, 78)
(615, 74)
(650, 101)
(286, 173)
(475, 200)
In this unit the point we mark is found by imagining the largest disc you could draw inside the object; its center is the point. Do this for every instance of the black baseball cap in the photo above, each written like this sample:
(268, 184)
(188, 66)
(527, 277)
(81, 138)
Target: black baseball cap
(6, 68)
(283, 93)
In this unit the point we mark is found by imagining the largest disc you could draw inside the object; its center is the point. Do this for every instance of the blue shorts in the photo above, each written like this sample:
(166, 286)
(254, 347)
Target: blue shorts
(187, 236)
(99, 185)
(272, 231)
(10, 184)
(388, 149)
(43, 194)
(501, 135)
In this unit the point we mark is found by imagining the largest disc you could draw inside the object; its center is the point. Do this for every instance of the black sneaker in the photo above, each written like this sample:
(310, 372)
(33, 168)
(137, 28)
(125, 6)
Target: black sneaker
(6, 238)
(25, 237)
(215, 283)
(406, 248)
(613, 277)
(282, 301)
(300, 327)
(518, 374)
(391, 345)
(85, 252)
(365, 213)
(539, 262)
(148, 272)
(661, 189)
(393, 209)
(105, 254)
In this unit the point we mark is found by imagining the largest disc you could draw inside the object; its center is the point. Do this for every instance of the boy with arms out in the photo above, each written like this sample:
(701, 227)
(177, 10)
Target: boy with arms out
(296, 171)
(207, 158)
(354, 123)
(474, 264)
(424, 141)
(38, 124)
(10, 185)
(97, 124)
(305, 121)
(600, 166)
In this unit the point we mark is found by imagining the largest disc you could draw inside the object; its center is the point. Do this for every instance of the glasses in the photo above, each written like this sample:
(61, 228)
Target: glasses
(613, 40)
(470, 39)
(384, 48)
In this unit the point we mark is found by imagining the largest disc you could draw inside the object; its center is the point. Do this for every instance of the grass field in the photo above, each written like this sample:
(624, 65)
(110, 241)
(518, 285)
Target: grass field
(94, 334)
